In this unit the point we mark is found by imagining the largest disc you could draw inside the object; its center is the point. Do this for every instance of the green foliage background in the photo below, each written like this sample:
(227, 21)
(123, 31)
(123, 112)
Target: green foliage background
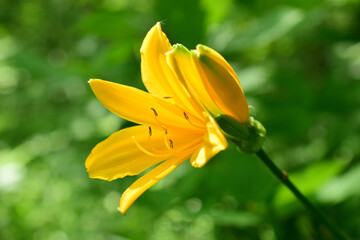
(298, 63)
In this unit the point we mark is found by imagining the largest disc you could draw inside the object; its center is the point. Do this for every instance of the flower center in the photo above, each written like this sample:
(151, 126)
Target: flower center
(169, 143)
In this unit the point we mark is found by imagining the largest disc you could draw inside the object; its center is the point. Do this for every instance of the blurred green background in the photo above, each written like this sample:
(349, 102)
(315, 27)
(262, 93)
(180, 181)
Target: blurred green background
(298, 63)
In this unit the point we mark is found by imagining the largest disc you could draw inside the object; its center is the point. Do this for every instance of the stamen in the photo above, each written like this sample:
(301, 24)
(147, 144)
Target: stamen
(156, 114)
(153, 148)
(157, 120)
(157, 150)
(146, 151)
(163, 127)
(190, 114)
(167, 97)
(185, 150)
(167, 143)
(186, 116)
(171, 144)
(191, 123)
(182, 151)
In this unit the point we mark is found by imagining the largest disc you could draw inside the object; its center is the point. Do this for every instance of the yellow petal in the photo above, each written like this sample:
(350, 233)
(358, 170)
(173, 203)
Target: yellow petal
(214, 142)
(148, 180)
(119, 156)
(157, 76)
(138, 106)
(180, 60)
(217, 57)
(154, 69)
(221, 82)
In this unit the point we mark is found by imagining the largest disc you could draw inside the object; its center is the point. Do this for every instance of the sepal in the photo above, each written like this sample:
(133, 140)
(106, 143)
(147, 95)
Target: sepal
(249, 136)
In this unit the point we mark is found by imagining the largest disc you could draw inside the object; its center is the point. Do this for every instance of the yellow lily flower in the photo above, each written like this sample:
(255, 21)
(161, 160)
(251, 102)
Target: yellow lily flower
(174, 125)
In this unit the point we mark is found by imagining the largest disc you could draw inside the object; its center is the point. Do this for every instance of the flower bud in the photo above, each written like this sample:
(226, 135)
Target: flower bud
(257, 135)
(221, 83)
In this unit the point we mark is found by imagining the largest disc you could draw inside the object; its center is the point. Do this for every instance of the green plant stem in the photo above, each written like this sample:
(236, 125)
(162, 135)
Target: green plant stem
(283, 177)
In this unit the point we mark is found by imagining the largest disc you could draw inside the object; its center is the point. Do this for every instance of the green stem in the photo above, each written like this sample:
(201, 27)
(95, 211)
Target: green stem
(283, 177)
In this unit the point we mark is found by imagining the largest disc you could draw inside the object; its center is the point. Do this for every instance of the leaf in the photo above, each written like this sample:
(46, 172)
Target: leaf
(268, 29)
(342, 187)
(238, 219)
(307, 181)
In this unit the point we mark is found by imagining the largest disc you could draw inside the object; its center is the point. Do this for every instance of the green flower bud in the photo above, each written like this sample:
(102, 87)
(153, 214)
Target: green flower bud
(232, 127)
(249, 136)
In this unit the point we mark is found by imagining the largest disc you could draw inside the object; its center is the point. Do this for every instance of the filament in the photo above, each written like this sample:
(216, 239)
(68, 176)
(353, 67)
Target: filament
(169, 144)
(186, 116)
(153, 148)
(186, 149)
(191, 123)
(165, 129)
(147, 151)
(150, 144)
(170, 147)
(157, 120)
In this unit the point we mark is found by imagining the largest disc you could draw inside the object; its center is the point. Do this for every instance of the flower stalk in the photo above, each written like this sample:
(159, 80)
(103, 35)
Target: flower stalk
(283, 177)
(249, 137)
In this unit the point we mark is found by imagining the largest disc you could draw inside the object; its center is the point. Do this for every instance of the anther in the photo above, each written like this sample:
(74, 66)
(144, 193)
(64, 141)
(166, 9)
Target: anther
(164, 129)
(189, 121)
(167, 97)
(171, 144)
(150, 131)
(186, 116)
(156, 114)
